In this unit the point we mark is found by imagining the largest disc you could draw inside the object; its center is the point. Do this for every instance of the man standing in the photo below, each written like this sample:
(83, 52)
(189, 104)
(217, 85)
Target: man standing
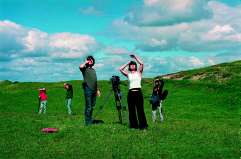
(90, 87)
(69, 96)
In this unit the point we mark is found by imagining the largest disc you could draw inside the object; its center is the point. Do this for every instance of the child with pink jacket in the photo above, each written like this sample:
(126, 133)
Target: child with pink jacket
(43, 100)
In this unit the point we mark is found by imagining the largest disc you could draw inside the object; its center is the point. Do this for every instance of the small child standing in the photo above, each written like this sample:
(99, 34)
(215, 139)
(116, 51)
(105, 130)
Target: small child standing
(69, 96)
(43, 100)
(156, 99)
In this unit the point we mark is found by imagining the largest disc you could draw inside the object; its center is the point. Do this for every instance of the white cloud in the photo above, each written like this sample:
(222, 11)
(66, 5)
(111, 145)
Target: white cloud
(225, 32)
(99, 65)
(151, 2)
(221, 29)
(41, 69)
(216, 33)
(116, 50)
(71, 41)
(35, 40)
(31, 54)
(18, 41)
(91, 10)
(11, 35)
(211, 61)
(163, 12)
(153, 44)
(9, 26)
(195, 62)
(68, 45)
(164, 65)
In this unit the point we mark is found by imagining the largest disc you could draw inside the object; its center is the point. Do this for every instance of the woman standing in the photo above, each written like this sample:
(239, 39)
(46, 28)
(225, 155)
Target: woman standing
(135, 96)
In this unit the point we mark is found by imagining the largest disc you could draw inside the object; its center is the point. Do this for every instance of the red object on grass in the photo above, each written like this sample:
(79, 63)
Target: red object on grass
(49, 130)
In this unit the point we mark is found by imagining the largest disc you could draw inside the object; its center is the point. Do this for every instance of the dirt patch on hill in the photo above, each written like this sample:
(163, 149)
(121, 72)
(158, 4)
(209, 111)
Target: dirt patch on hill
(175, 76)
(210, 76)
(198, 76)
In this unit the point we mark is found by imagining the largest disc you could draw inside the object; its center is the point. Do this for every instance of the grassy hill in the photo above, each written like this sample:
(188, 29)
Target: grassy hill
(222, 73)
(201, 120)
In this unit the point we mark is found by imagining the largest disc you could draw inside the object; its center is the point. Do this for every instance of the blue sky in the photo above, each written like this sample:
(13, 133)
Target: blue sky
(47, 40)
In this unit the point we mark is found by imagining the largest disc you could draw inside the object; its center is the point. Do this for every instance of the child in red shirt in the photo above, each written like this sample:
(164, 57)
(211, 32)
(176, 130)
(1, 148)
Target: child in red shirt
(43, 100)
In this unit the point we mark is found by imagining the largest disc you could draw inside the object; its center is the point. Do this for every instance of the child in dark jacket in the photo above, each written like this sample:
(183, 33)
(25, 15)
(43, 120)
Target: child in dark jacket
(69, 96)
(43, 100)
(156, 99)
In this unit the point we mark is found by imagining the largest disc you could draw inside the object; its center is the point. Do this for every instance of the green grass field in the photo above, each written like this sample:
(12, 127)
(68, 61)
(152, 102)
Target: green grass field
(201, 121)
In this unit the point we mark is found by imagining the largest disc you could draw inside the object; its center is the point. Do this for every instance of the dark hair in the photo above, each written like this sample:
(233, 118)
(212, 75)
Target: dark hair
(157, 81)
(91, 58)
(160, 83)
(132, 63)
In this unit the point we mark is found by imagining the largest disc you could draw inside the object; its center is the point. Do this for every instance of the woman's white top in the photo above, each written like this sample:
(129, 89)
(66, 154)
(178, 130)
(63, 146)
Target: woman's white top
(134, 80)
